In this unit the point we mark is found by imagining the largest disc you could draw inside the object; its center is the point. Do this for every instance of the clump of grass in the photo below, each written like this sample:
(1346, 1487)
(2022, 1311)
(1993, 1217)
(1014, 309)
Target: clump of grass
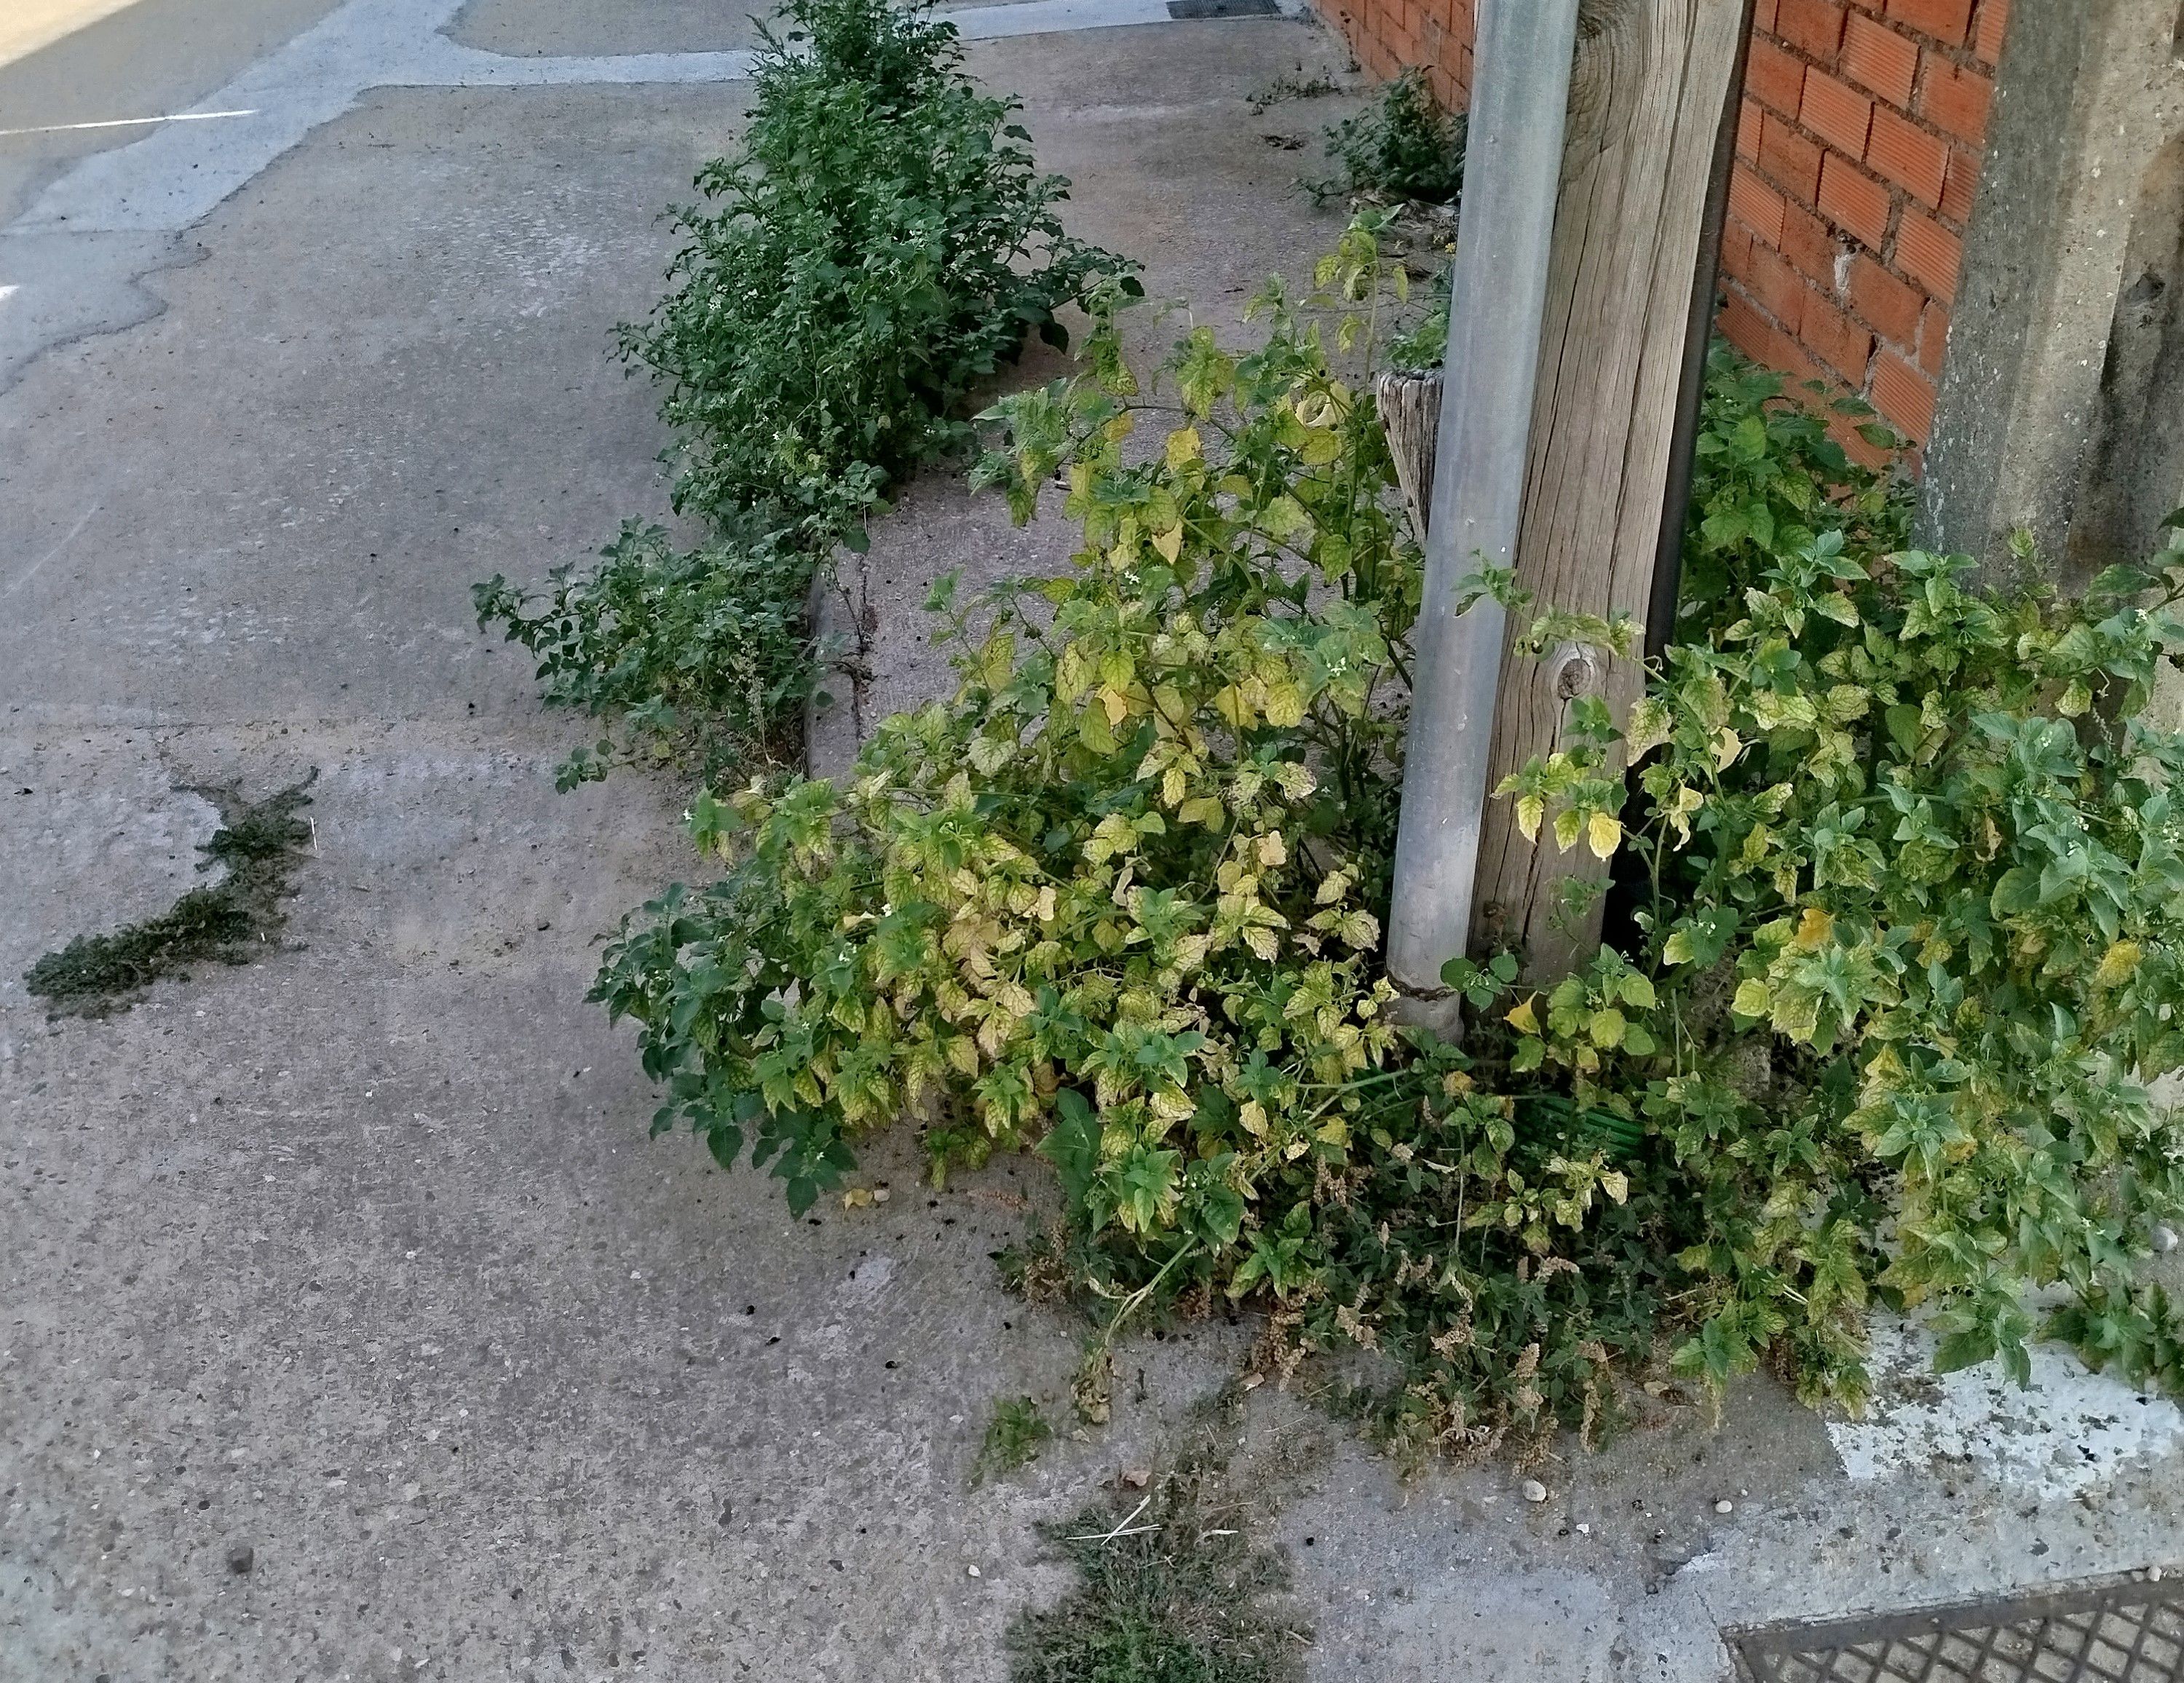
(1171, 1592)
(230, 922)
(1292, 85)
(1013, 1437)
(1405, 147)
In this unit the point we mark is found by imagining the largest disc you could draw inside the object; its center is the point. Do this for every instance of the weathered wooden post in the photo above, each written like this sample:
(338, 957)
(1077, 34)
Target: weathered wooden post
(1497, 302)
(1609, 344)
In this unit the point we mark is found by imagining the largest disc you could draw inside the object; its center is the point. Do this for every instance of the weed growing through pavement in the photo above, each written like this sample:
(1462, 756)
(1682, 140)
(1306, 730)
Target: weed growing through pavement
(1013, 1437)
(1171, 1589)
(230, 922)
(1404, 146)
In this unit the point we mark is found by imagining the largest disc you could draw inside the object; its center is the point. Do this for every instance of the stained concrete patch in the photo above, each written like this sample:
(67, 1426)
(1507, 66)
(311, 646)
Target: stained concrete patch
(127, 842)
(2069, 1433)
(233, 918)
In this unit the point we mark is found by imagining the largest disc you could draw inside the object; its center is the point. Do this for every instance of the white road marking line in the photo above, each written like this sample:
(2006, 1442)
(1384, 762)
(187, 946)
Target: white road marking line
(126, 123)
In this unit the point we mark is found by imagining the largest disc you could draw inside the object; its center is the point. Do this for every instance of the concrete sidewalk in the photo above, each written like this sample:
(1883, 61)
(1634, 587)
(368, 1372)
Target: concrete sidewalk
(357, 1257)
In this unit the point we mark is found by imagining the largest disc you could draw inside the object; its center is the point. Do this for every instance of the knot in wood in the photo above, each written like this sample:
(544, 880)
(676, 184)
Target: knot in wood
(1578, 671)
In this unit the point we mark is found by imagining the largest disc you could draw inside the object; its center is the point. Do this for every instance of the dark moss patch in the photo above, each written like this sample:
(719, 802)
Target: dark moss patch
(230, 922)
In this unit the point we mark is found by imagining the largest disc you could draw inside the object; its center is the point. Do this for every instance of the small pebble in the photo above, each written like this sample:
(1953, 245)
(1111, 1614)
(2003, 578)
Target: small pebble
(973, 1571)
(1584, 1531)
(241, 1559)
(1534, 1490)
(1724, 1506)
(2164, 1238)
(2154, 1574)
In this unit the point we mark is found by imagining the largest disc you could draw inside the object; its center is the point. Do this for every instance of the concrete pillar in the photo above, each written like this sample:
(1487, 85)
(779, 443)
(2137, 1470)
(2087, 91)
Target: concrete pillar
(2061, 410)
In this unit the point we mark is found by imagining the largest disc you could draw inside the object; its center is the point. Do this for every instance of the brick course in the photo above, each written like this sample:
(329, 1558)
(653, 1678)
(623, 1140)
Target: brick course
(1858, 151)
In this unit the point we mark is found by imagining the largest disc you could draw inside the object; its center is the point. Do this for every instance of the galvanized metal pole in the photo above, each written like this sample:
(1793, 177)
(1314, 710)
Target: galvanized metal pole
(1525, 52)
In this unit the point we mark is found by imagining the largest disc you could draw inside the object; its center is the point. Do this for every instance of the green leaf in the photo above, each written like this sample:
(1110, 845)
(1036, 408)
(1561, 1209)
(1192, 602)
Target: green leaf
(1073, 1146)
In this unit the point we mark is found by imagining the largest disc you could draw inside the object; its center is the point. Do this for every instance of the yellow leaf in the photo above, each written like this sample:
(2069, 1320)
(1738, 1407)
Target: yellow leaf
(1320, 447)
(1183, 446)
(1271, 850)
(1284, 704)
(1602, 835)
(1688, 800)
(1523, 1019)
(1169, 1105)
(1530, 809)
(1169, 543)
(1814, 929)
(1752, 999)
(1648, 728)
(1116, 703)
(2117, 964)
(1726, 747)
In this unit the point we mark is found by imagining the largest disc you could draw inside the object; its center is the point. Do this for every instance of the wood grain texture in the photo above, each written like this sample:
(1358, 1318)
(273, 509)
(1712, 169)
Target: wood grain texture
(1646, 109)
(1409, 405)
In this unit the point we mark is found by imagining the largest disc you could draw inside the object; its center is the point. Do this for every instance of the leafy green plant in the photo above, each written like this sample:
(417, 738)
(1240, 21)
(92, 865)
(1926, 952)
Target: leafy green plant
(1902, 964)
(1404, 146)
(1013, 1437)
(1770, 478)
(1069, 894)
(880, 244)
(687, 656)
(1917, 885)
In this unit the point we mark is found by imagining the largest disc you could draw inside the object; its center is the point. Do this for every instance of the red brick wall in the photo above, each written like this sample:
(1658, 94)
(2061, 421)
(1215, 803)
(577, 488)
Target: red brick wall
(1859, 148)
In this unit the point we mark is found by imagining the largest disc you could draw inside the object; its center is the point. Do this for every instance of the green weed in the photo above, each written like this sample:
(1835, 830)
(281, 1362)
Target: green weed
(231, 921)
(880, 244)
(1402, 147)
(1170, 1590)
(1013, 1437)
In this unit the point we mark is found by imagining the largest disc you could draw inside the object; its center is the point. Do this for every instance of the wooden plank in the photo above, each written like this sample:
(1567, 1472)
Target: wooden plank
(1498, 294)
(1646, 107)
